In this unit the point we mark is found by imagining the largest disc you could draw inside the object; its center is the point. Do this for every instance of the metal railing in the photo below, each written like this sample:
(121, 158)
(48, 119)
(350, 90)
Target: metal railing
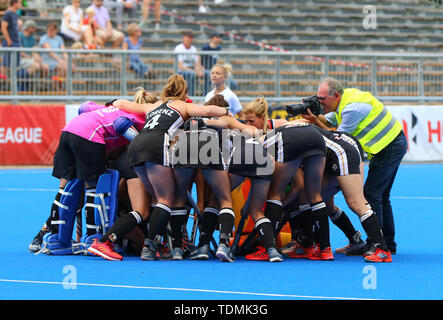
(279, 76)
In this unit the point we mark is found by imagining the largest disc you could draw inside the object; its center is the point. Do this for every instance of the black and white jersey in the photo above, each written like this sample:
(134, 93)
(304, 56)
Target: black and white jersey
(153, 142)
(294, 141)
(344, 153)
(164, 118)
(248, 158)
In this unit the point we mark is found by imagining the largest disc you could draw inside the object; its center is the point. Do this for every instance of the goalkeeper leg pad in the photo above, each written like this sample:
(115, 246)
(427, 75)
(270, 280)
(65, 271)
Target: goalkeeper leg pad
(105, 204)
(61, 242)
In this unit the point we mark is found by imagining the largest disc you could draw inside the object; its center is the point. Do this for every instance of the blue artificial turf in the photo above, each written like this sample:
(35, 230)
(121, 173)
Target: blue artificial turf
(417, 197)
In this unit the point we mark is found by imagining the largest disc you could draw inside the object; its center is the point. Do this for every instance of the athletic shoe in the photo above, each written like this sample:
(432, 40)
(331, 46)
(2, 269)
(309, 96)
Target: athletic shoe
(201, 253)
(274, 255)
(177, 254)
(290, 246)
(300, 252)
(353, 248)
(325, 254)
(187, 245)
(163, 252)
(259, 255)
(149, 250)
(379, 256)
(104, 250)
(366, 248)
(36, 243)
(224, 253)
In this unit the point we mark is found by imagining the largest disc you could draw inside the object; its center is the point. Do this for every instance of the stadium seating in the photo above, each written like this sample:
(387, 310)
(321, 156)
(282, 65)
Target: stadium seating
(402, 26)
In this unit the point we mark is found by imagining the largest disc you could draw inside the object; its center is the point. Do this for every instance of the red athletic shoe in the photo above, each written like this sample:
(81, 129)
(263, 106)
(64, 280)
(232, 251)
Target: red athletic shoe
(259, 255)
(104, 250)
(379, 256)
(325, 254)
(300, 252)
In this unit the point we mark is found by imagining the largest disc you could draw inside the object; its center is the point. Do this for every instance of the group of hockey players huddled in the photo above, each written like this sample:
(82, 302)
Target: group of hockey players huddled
(130, 167)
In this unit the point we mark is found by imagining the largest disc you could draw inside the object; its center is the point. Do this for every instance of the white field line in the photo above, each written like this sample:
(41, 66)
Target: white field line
(183, 289)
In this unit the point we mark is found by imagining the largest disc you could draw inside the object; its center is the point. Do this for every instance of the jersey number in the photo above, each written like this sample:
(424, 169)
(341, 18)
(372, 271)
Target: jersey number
(153, 122)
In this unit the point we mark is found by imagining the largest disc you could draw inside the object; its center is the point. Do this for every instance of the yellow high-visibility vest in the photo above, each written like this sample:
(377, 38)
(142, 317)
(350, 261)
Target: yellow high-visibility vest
(378, 128)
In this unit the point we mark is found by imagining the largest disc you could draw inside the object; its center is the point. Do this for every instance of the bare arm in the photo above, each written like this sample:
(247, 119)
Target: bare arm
(204, 111)
(244, 128)
(133, 107)
(50, 53)
(217, 123)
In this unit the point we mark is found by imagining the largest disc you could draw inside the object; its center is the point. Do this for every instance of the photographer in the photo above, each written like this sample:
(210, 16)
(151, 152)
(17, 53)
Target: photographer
(381, 136)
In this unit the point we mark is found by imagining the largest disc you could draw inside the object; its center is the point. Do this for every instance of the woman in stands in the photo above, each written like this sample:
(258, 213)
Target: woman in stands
(82, 153)
(149, 151)
(220, 73)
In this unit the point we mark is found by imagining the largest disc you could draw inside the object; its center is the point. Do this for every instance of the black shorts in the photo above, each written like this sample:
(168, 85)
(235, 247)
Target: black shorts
(343, 156)
(295, 142)
(198, 149)
(121, 164)
(149, 146)
(80, 158)
(250, 159)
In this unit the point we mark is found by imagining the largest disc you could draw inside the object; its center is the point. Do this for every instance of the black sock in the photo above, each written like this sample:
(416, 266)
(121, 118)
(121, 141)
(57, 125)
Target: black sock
(226, 219)
(341, 220)
(91, 227)
(372, 228)
(292, 212)
(264, 228)
(320, 213)
(273, 212)
(208, 225)
(122, 226)
(305, 220)
(158, 221)
(178, 220)
(53, 228)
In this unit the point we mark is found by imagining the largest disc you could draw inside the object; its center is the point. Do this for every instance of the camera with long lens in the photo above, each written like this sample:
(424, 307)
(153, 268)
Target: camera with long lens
(312, 103)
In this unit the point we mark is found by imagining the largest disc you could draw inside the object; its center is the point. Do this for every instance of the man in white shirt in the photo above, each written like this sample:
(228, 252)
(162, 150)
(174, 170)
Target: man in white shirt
(189, 64)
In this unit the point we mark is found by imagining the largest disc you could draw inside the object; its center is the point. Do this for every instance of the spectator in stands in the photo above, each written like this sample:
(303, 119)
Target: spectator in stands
(30, 61)
(39, 6)
(219, 76)
(381, 136)
(10, 27)
(119, 6)
(72, 22)
(105, 31)
(134, 42)
(210, 60)
(189, 64)
(92, 42)
(57, 62)
(203, 9)
(146, 6)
